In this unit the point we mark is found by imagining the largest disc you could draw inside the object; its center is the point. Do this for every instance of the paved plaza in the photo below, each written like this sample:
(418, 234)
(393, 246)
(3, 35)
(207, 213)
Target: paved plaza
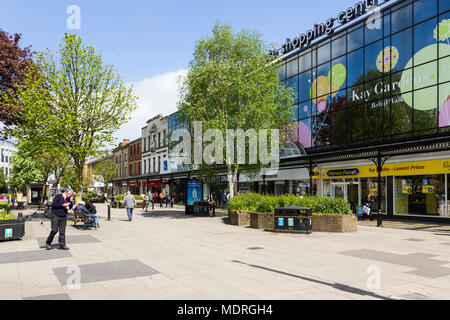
(164, 254)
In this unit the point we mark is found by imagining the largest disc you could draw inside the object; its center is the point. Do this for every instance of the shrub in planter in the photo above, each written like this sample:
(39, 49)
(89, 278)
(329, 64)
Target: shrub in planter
(10, 227)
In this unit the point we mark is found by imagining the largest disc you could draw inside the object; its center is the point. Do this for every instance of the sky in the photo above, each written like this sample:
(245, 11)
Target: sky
(150, 43)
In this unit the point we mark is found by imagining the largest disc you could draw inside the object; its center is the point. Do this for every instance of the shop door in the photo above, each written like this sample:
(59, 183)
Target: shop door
(339, 190)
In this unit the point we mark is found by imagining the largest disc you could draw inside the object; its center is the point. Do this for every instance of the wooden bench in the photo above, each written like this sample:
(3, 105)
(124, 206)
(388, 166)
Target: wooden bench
(80, 216)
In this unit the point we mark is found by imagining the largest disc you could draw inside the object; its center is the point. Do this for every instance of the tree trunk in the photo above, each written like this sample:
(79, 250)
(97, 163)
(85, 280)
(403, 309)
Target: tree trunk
(232, 178)
(79, 182)
(43, 190)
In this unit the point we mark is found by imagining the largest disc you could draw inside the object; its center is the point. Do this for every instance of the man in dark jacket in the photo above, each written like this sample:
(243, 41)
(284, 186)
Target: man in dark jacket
(60, 205)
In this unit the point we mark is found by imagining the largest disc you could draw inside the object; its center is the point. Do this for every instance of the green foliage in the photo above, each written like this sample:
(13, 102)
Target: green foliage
(106, 169)
(268, 204)
(138, 197)
(25, 170)
(119, 197)
(232, 83)
(91, 195)
(5, 216)
(3, 182)
(69, 177)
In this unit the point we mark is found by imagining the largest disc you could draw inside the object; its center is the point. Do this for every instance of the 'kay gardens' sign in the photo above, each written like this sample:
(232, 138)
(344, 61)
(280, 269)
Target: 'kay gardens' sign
(327, 28)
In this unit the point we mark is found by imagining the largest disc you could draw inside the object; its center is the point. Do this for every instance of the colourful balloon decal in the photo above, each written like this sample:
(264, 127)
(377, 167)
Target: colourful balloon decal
(387, 59)
(442, 31)
(336, 77)
(322, 105)
(444, 114)
(426, 76)
(304, 135)
(320, 89)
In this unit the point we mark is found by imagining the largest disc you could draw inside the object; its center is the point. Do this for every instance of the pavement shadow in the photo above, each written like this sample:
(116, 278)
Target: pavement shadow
(166, 214)
(226, 220)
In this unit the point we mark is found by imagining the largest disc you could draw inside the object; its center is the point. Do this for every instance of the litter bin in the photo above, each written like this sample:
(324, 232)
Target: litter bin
(293, 219)
(201, 208)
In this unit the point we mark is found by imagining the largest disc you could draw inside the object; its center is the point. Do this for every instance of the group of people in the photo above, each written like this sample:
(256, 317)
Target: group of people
(161, 198)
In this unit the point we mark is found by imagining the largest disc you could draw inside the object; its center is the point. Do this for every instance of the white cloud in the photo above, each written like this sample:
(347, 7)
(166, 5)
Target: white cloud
(156, 95)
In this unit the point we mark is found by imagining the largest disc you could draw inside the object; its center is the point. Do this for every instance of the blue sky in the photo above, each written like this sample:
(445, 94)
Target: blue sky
(150, 43)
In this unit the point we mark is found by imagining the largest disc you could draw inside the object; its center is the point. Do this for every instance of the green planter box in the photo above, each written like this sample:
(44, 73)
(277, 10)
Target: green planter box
(12, 229)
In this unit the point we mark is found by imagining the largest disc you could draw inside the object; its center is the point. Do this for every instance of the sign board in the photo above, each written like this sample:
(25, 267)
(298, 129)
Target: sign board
(373, 192)
(8, 233)
(194, 192)
(407, 190)
(427, 189)
(281, 222)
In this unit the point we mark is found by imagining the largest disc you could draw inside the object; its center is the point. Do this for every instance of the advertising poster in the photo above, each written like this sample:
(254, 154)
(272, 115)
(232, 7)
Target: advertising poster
(194, 192)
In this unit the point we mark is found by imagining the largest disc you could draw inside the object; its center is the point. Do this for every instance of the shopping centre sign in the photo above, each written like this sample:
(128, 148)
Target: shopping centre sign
(327, 28)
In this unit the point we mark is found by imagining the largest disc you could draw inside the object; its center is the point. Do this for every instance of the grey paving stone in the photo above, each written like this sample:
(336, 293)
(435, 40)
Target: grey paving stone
(78, 239)
(422, 262)
(34, 255)
(107, 271)
(62, 296)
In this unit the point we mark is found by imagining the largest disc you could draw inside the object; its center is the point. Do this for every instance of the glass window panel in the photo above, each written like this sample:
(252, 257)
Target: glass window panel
(323, 54)
(372, 34)
(355, 124)
(338, 100)
(371, 54)
(339, 74)
(355, 67)
(355, 39)
(295, 114)
(424, 9)
(292, 68)
(314, 57)
(321, 82)
(402, 82)
(403, 43)
(339, 126)
(444, 105)
(425, 75)
(425, 99)
(387, 25)
(401, 18)
(401, 114)
(304, 62)
(293, 83)
(444, 5)
(322, 129)
(339, 46)
(372, 122)
(305, 110)
(304, 133)
(444, 70)
(282, 72)
(424, 37)
(425, 119)
(444, 34)
(304, 86)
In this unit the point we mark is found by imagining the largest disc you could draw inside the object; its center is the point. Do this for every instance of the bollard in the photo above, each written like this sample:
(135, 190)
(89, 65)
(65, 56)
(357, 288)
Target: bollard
(109, 212)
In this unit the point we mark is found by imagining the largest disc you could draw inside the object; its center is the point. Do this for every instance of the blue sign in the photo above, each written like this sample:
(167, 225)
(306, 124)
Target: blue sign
(281, 222)
(165, 165)
(194, 192)
(360, 213)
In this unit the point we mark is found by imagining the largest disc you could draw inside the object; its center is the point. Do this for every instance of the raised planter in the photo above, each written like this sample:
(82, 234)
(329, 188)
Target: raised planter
(239, 218)
(12, 229)
(334, 223)
(260, 220)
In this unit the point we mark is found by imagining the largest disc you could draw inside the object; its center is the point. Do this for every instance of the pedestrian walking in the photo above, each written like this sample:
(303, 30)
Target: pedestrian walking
(367, 211)
(225, 201)
(151, 199)
(161, 199)
(130, 203)
(60, 206)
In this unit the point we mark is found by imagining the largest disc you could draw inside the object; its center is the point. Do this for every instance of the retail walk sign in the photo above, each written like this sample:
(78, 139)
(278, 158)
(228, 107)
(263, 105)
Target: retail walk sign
(8, 233)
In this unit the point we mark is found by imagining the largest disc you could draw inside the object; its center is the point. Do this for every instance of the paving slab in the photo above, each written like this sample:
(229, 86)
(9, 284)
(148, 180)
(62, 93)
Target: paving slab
(33, 255)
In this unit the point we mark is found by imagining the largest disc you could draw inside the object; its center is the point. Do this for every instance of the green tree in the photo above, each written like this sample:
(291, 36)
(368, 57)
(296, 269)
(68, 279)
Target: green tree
(3, 182)
(233, 83)
(69, 178)
(75, 101)
(24, 171)
(106, 169)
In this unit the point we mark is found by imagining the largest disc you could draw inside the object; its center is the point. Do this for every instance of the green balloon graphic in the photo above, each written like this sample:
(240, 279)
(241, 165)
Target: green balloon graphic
(424, 76)
(337, 74)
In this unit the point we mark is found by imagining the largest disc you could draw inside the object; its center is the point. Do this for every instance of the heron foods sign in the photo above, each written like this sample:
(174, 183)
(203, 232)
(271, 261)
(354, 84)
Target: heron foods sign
(440, 166)
(327, 28)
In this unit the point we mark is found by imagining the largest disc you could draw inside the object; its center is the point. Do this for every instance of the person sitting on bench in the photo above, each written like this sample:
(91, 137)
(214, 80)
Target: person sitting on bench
(82, 206)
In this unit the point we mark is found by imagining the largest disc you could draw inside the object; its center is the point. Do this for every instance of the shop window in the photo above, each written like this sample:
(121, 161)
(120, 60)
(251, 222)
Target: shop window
(425, 75)
(304, 61)
(282, 72)
(444, 106)
(292, 68)
(338, 126)
(401, 18)
(424, 37)
(323, 53)
(370, 186)
(402, 42)
(339, 46)
(339, 74)
(424, 9)
(305, 110)
(372, 52)
(372, 122)
(304, 86)
(355, 39)
(420, 195)
(304, 133)
(425, 103)
(444, 34)
(355, 68)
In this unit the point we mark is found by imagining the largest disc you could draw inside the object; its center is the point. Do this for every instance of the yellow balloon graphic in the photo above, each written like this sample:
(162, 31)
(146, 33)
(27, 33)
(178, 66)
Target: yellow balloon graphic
(336, 77)
(320, 89)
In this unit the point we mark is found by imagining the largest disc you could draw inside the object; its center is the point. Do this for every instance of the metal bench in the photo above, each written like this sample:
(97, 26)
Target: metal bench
(80, 216)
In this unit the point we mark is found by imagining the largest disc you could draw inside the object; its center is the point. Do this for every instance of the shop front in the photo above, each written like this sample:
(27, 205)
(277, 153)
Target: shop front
(134, 187)
(409, 189)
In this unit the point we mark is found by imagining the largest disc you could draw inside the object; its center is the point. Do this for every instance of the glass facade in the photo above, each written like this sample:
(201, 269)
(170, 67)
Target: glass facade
(365, 85)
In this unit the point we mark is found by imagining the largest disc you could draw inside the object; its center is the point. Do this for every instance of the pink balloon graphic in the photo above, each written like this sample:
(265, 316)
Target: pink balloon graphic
(444, 114)
(304, 135)
(322, 105)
